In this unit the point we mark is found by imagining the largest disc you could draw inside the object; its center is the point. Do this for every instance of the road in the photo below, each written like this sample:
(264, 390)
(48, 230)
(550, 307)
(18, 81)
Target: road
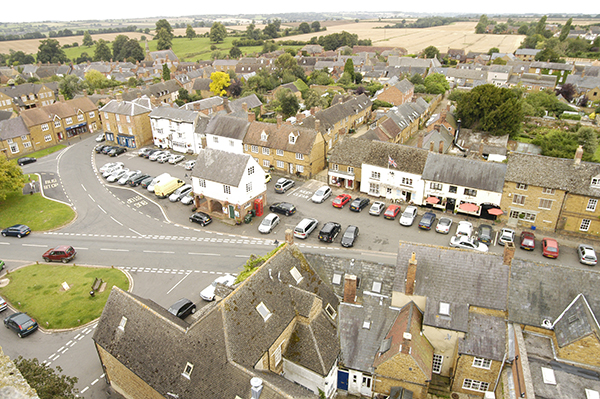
(168, 257)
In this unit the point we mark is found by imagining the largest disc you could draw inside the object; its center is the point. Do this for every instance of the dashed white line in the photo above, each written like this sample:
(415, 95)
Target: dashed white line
(34, 245)
(158, 252)
(92, 198)
(116, 221)
(101, 209)
(85, 389)
(95, 381)
(203, 254)
(114, 250)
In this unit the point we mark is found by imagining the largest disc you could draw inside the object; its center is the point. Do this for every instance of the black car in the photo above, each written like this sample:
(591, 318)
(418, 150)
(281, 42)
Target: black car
(134, 182)
(21, 323)
(26, 160)
(427, 221)
(359, 203)
(350, 235)
(329, 231)
(146, 182)
(201, 218)
(485, 234)
(100, 147)
(144, 151)
(117, 151)
(182, 308)
(285, 208)
(148, 153)
(18, 230)
(107, 149)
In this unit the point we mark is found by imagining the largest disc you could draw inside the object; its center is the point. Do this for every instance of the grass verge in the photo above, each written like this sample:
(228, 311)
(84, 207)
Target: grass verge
(35, 211)
(41, 153)
(37, 290)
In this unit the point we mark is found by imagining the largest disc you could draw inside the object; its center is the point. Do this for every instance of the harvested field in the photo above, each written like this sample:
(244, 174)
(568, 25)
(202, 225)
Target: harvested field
(31, 46)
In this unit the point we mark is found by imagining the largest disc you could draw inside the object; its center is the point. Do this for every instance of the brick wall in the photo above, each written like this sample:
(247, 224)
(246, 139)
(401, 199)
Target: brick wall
(575, 211)
(465, 369)
(402, 371)
(585, 351)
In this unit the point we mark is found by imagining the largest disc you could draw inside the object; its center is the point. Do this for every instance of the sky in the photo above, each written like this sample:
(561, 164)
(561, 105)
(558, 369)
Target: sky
(71, 10)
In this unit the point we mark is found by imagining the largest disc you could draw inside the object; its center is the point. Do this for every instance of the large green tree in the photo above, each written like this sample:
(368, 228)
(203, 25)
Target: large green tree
(541, 25)
(166, 72)
(566, 29)
(19, 58)
(164, 24)
(190, 33)
(482, 24)
(431, 52)
(288, 102)
(50, 51)
(304, 27)
(315, 26)
(588, 139)
(87, 39)
(436, 84)
(11, 177)
(102, 51)
(49, 383)
(164, 38)
(132, 51)
(218, 33)
(70, 85)
(117, 47)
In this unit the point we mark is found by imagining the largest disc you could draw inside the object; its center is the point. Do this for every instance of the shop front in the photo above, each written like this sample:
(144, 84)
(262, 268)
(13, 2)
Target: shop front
(342, 180)
(77, 129)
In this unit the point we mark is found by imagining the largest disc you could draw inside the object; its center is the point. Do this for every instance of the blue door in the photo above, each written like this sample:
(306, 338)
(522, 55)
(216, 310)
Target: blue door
(342, 380)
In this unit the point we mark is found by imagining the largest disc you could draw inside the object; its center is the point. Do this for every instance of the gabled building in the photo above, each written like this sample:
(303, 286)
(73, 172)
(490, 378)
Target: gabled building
(532, 82)
(345, 163)
(15, 139)
(396, 94)
(26, 96)
(127, 123)
(226, 133)
(177, 129)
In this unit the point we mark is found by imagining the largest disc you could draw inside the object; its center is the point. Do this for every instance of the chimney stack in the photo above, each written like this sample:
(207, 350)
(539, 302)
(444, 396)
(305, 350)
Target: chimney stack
(578, 155)
(279, 121)
(431, 144)
(420, 141)
(119, 97)
(251, 116)
(411, 275)
(245, 107)
(508, 254)
(441, 149)
(481, 149)
(289, 236)
(350, 284)
(256, 387)
(317, 125)
(61, 98)
(299, 117)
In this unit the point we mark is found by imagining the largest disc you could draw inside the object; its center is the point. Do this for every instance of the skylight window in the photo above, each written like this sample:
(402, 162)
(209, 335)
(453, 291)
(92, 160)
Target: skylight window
(548, 376)
(444, 309)
(376, 286)
(296, 275)
(367, 324)
(337, 279)
(330, 311)
(122, 323)
(264, 311)
(188, 370)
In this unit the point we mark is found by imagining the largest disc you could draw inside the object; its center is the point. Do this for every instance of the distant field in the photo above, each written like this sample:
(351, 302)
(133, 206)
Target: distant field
(31, 46)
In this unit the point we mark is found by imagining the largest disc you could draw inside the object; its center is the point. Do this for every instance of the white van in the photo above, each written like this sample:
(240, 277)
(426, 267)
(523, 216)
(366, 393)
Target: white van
(157, 180)
(166, 187)
(305, 227)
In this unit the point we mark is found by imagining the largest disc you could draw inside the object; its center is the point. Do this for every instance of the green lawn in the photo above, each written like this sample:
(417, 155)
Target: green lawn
(35, 211)
(37, 290)
(42, 153)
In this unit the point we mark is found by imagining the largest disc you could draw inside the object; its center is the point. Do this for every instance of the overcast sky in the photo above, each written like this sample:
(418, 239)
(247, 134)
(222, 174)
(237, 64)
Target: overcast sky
(69, 10)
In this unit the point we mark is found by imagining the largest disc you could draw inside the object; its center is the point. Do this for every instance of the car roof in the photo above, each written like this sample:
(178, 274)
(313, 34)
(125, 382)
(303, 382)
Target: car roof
(61, 248)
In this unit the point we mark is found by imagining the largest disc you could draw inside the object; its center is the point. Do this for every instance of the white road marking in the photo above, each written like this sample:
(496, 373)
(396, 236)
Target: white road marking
(116, 221)
(34, 245)
(101, 209)
(114, 250)
(84, 189)
(184, 277)
(204, 254)
(85, 389)
(5, 243)
(92, 198)
(159, 252)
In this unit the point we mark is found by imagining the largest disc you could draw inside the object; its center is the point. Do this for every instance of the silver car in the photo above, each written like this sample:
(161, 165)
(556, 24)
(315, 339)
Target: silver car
(587, 255)
(409, 215)
(116, 175)
(180, 192)
(268, 223)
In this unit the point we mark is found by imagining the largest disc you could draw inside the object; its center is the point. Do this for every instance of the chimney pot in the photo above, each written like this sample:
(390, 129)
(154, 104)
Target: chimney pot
(350, 284)
(441, 149)
(411, 275)
(251, 116)
(245, 107)
(420, 141)
(431, 144)
(578, 155)
(289, 236)
(279, 121)
(509, 253)
(317, 125)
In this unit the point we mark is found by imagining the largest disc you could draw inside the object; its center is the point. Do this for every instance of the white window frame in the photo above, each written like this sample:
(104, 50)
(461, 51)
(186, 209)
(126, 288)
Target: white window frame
(375, 175)
(226, 189)
(585, 224)
(522, 186)
(279, 153)
(45, 127)
(250, 170)
(80, 117)
(122, 323)
(350, 169)
(299, 156)
(254, 149)
(248, 187)
(280, 164)
(330, 311)
(545, 203)
(69, 121)
(438, 361)
(262, 309)
(57, 123)
(266, 151)
(300, 168)
(187, 371)
(266, 163)
(14, 148)
(591, 205)
(436, 186)
(474, 385)
(548, 191)
(92, 114)
(519, 199)
(334, 166)
(202, 183)
(48, 138)
(26, 144)
(374, 188)
(482, 363)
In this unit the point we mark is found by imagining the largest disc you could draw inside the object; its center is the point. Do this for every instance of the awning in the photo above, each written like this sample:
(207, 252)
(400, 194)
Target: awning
(468, 207)
(432, 200)
(76, 126)
(495, 211)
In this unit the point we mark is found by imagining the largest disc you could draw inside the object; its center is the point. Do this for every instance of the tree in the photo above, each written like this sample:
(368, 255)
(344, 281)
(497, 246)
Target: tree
(288, 102)
(50, 51)
(133, 51)
(315, 26)
(20, 58)
(49, 383)
(304, 27)
(558, 144)
(218, 33)
(96, 80)
(431, 52)
(482, 24)
(285, 64)
(164, 24)
(548, 55)
(11, 178)
(102, 51)
(493, 50)
(164, 39)
(118, 46)
(166, 72)
(69, 86)
(320, 77)
(190, 33)
(235, 52)
(312, 98)
(235, 88)
(416, 79)
(436, 84)
(541, 25)
(588, 138)
(564, 32)
(349, 69)
(523, 29)
(87, 39)
(252, 33)
(272, 29)
(220, 81)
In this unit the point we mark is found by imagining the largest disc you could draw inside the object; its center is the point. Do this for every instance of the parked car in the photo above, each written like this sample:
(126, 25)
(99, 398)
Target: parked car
(285, 208)
(443, 226)
(150, 152)
(128, 175)
(146, 182)
(208, 294)
(427, 221)
(138, 180)
(408, 216)
(156, 180)
(587, 255)
(329, 231)
(188, 198)
(377, 208)
(176, 159)
(164, 157)
(133, 177)
(283, 185)
(108, 172)
(268, 223)
(350, 235)
(3, 304)
(506, 235)
(267, 177)
(392, 211)
(100, 147)
(17, 230)
(25, 160)
(165, 188)
(465, 242)
(116, 175)
(305, 227)
(527, 241)
(341, 200)
(107, 148)
(201, 218)
(144, 151)
(485, 234)
(180, 192)
(100, 138)
(189, 165)
(116, 151)
(464, 228)
(550, 248)
(154, 156)
(183, 308)
(110, 165)
(21, 323)
(63, 253)
(321, 194)
(359, 203)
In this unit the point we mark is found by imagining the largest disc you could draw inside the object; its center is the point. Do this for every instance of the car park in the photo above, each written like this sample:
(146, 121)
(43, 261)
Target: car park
(180, 192)
(305, 227)
(154, 156)
(465, 242)
(116, 151)
(506, 235)
(107, 148)
(408, 216)
(146, 182)
(128, 175)
(377, 208)
(341, 200)
(587, 255)
(134, 182)
(485, 234)
(111, 165)
(144, 151)
(182, 308)
(268, 223)
(201, 218)
(157, 180)
(329, 231)
(284, 185)
(21, 323)
(350, 236)
(359, 204)
(162, 158)
(189, 165)
(100, 138)
(164, 188)
(100, 147)
(176, 159)
(17, 230)
(285, 208)
(550, 248)
(321, 194)
(112, 170)
(427, 221)
(63, 253)
(443, 226)
(150, 152)
(116, 175)
(133, 177)
(392, 211)
(527, 241)
(188, 198)
(25, 160)
(208, 294)
(464, 228)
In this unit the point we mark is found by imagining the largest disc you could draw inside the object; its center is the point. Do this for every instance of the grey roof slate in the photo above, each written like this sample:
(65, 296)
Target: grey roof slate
(174, 114)
(4, 115)
(220, 166)
(228, 126)
(409, 159)
(486, 337)
(131, 108)
(252, 101)
(481, 175)
(460, 278)
(576, 322)
(350, 151)
(11, 128)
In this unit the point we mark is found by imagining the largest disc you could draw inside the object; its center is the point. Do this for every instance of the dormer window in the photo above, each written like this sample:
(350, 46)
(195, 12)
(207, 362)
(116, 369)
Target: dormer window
(292, 138)
(296, 275)
(444, 309)
(264, 311)
(187, 370)
(122, 323)
(264, 136)
(330, 311)
(596, 181)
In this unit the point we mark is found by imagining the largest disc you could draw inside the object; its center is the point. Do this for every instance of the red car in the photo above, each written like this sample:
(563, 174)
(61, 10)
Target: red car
(391, 212)
(63, 253)
(550, 248)
(341, 200)
(527, 241)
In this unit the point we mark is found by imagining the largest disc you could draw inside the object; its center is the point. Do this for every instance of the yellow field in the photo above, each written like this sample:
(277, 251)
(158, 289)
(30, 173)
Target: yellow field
(31, 46)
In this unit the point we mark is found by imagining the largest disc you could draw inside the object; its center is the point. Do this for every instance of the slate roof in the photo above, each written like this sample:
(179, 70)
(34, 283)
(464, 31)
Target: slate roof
(278, 137)
(488, 176)
(174, 114)
(11, 128)
(37, 116)
(533, 79)
(460, 278)
(409, 159)
(205, 103)
(486, 337)
(202, 84)
(21, 90)
(4, 115)
(350, 151)
(220, 166)
(132, 108)
(540, 291)
(337, 112)
(252, 101)
(584, 82)
(228, 126)
(163, 54)
(576, 322)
